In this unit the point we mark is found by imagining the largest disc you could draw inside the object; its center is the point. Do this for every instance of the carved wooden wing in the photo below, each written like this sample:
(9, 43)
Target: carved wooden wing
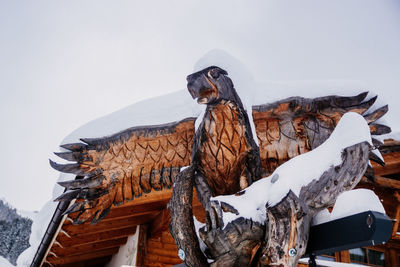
(296, 125)
(118, 168)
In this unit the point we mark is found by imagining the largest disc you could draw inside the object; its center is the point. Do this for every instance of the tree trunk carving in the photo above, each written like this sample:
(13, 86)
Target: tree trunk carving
(287, 228)
(182, 226)
(282, 239)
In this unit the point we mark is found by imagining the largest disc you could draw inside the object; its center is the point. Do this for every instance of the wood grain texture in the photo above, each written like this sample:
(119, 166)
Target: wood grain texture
(287, 228)
(182, 225)
(80, 230)
(82, 257)
(223, 149)
(142, 245)
(224, 152)
(237, 244)
(161, 251)
(322, 192)
(77, 250)
(125, 166)
(96, 237)
(287, 223)
(296, 125)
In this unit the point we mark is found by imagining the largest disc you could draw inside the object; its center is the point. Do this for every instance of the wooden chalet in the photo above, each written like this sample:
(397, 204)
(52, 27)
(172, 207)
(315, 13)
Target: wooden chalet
(137, 234)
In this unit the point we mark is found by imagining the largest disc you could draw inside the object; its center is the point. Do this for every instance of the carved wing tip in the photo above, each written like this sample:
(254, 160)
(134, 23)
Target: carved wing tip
(91, 141)
(90, 182)
(376, 114)
(66, 155)
(379, 129)
(73, 168)
(371, 101)
(73, 208)
(346, 101)
(377, 143)
(67, 184)
(375, 158)
(74, 147)
(363, 95)
(67, 196)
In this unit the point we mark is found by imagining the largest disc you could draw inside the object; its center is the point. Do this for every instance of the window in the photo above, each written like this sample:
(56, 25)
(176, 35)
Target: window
(327, 257)
(358, 255)
(367, 256)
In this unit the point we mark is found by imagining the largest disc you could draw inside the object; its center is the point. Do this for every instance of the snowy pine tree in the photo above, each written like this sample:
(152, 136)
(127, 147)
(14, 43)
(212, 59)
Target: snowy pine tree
(14, 233)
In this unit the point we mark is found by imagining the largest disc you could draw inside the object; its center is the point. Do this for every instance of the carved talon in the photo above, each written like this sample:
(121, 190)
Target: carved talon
(228, 208)
(214, 215)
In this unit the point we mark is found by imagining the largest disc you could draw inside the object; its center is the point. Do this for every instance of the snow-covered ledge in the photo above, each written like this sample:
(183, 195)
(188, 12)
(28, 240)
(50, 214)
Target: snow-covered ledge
(127, 253)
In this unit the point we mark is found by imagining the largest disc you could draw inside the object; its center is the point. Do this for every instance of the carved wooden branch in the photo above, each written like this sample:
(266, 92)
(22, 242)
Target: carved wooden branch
(182, 226)
(322, 193)
(235, 245)
(282, 240)
(286, 237)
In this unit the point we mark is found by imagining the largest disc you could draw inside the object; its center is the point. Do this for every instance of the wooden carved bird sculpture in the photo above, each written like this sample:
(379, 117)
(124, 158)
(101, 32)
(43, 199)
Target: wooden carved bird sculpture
(121, 167)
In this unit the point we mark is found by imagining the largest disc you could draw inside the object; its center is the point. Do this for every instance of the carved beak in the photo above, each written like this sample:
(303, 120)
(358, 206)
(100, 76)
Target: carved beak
(198, 86)
(201, 87)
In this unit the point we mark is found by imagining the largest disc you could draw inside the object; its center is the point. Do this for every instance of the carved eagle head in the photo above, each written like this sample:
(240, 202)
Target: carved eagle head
(211, 85)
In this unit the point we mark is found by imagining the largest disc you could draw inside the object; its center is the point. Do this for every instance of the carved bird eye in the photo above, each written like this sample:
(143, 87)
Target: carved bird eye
(213, 73)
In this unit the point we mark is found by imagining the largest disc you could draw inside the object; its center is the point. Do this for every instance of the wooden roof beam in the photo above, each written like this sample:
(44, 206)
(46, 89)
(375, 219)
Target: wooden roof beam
(122, 215)
(136, 209)
(384, 182)
(392, 164)
(96, 237)
(78, 258)
(82, 229)
(152, 197)
(128, 211)
(82, 249)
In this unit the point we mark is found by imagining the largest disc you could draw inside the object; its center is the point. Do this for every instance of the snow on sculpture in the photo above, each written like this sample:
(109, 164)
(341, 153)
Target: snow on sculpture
(224, 159)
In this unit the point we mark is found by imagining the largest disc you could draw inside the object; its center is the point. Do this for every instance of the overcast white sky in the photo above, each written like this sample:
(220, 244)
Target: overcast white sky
(64, 63)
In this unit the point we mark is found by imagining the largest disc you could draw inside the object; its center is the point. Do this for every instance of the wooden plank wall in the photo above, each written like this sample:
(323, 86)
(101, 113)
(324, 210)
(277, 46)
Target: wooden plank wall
(161, 251)
(157, 247)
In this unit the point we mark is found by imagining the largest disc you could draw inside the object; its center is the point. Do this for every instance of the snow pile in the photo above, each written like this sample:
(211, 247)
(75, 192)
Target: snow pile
(296, 173)
(361, 200)
(154, 111)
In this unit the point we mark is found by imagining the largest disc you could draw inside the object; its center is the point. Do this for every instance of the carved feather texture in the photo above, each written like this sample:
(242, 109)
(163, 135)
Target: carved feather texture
(116, 169)
(296, 125)
(121, 167)
(223, 148)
